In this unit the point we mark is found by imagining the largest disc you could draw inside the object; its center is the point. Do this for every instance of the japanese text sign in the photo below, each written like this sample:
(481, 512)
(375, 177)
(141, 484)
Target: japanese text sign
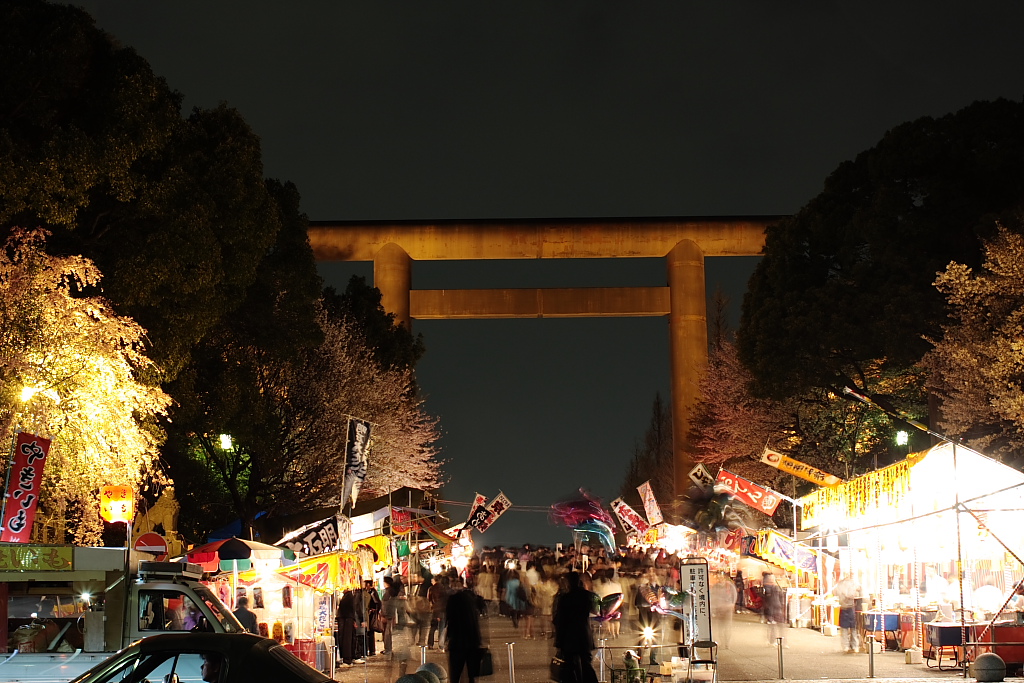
(629, 518)
(748, 492)
(483, 519)
(650, 503)
(22, 495)
(37, 558)
(694, 579)
(117, 503)
(799, 469)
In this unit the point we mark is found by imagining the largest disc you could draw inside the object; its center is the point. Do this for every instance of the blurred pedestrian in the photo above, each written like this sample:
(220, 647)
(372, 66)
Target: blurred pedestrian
(574, 641)
(723, 604)
(246, 616)
(462, 636)
(515, 597)
(773, 607)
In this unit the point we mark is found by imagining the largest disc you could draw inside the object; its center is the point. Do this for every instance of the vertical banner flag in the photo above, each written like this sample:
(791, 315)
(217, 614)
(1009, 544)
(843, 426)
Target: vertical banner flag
(479, 503)
(629, 518)
(748, 492)
(356, 450)
(483, 519)
(650, 504)
(22, 495)
(799, 469)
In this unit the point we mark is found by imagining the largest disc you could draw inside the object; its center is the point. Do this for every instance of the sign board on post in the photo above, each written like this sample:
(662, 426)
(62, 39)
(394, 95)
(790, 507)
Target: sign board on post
(694, 578)
(22, 495)
(150, 542)
(117, 503)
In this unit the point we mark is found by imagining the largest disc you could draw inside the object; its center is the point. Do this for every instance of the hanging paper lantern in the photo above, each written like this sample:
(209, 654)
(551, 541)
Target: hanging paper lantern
(117, 503)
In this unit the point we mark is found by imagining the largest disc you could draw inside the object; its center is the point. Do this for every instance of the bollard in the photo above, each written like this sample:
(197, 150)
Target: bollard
(602, 650)
(871, 655)
(782, 669)
(423, 655)
(511, 662)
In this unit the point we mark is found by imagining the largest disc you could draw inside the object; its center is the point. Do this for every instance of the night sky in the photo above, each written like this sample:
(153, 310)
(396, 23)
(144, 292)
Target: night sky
(402, 110)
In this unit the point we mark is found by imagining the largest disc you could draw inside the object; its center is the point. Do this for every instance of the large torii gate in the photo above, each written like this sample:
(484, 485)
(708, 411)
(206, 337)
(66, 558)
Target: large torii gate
(684, 243)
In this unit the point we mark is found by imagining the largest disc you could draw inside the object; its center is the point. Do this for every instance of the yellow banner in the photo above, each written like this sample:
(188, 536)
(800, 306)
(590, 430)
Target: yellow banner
(799, 469)
(37, 558)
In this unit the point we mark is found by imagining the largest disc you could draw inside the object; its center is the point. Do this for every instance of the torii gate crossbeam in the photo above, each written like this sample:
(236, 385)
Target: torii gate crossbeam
(684, 243)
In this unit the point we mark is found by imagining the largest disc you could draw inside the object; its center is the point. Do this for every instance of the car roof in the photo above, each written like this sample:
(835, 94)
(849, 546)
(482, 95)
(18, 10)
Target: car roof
(249, 656)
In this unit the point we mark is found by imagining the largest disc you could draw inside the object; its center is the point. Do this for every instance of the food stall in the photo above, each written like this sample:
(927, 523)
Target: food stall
(932, 537)
(295, 604)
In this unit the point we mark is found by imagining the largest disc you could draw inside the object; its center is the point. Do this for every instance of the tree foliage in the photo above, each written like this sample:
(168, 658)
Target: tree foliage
(977, 367)
(93, 146)
(82, 362)
(288, 419)
(394, 346)
(653, 460)
(848, 280)
(732, 426)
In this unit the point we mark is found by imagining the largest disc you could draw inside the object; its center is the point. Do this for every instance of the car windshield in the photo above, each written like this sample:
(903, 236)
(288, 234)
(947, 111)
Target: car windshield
(220, 610)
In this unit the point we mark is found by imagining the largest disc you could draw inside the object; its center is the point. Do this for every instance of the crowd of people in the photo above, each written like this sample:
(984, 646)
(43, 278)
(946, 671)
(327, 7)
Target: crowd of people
(546, 593)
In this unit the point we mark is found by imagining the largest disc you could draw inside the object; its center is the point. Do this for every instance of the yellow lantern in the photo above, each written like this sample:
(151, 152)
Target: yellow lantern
(117, 504)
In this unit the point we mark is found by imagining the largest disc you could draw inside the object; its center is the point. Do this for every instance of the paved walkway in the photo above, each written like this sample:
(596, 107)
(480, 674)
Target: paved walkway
(807, 656)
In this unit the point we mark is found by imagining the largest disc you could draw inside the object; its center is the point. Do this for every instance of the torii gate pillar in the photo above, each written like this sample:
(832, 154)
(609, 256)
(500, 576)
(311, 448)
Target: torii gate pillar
(688, 335)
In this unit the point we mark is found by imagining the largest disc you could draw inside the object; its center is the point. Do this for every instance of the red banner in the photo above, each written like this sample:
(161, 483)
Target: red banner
(22, 496)
(401, 521)
(748, 492)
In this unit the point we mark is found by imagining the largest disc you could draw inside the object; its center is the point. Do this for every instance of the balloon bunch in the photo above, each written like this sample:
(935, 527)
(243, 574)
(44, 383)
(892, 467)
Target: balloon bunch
(586, 516)
(572, 513)
(608, 607)
(668, 601)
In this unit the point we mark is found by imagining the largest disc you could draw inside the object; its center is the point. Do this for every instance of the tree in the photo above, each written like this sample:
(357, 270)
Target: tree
(977, 367)
(732, 426)
(848, 280)
(81, 361)
(288, 419)
(393, 345)
(653, 460)
(93, 146)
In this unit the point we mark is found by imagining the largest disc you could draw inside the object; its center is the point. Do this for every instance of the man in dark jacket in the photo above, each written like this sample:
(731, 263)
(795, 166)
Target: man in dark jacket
(462, 635)
(574, 640)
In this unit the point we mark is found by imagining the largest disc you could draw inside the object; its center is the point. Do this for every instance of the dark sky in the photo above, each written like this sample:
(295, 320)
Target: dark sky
(522, 109)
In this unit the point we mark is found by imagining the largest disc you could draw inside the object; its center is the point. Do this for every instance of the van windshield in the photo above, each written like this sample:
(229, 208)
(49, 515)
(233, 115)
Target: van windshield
(219, 610)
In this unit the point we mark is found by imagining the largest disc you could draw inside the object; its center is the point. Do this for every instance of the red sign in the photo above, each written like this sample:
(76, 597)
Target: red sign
(150, 542)
(22, 496)
(748, 492)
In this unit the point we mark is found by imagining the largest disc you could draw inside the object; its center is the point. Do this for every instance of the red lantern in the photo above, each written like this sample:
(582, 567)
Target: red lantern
(117, 503)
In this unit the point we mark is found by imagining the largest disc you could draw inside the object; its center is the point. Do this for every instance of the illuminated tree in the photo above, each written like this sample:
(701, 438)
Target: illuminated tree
(977, 368)
(173, 209)
(288, 419)
(79, 362)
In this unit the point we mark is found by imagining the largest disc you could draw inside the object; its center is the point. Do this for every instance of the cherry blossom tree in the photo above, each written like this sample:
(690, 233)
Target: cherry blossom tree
(977, 367)
(68, 371)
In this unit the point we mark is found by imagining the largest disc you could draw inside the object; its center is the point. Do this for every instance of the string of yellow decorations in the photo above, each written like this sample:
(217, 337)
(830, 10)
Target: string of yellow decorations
(858, 497)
